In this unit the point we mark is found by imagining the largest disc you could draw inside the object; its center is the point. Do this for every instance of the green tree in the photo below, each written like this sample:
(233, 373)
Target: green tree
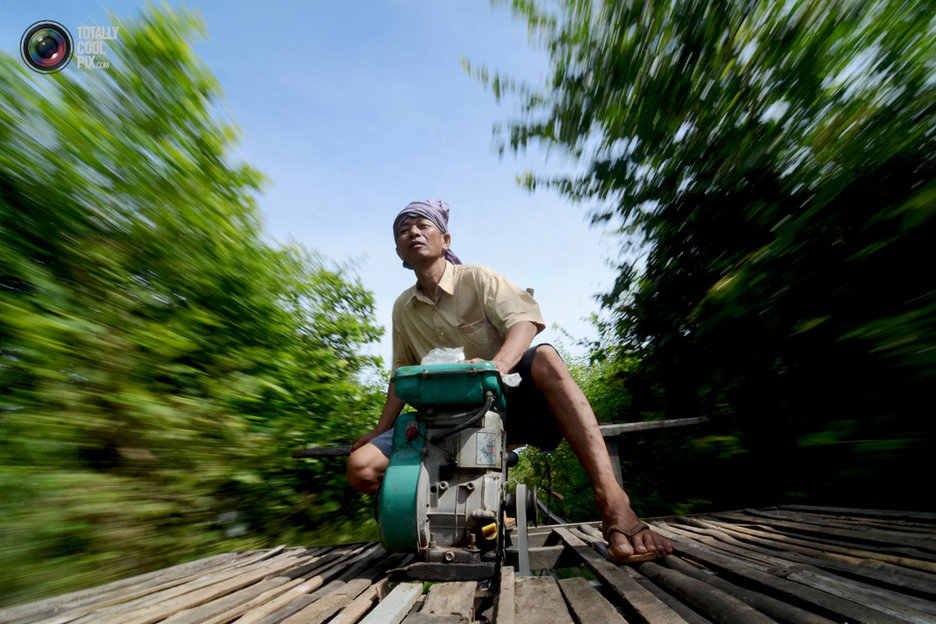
(158, 359)
(775, 163)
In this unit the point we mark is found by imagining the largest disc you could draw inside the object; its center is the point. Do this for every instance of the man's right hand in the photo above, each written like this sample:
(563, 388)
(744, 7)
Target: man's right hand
(364, 439)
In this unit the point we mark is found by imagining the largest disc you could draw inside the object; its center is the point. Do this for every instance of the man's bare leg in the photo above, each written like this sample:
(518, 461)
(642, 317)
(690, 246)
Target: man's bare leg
(366, 468)
(578, 424)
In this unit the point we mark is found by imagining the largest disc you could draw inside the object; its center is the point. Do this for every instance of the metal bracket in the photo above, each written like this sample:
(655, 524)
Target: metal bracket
(523, 545)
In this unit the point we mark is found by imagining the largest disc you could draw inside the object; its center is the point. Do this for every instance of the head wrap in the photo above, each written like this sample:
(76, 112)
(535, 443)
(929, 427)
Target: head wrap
(436, 211)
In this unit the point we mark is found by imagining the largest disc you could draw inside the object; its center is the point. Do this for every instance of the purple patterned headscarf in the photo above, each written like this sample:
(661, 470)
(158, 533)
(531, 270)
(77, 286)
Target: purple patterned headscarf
(436, 211)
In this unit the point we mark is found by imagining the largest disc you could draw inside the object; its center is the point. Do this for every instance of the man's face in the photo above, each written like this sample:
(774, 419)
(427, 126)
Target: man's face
(419, 240)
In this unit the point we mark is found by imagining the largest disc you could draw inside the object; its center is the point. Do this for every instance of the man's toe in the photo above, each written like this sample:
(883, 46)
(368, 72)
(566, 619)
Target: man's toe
(619, 547)
(643, 542)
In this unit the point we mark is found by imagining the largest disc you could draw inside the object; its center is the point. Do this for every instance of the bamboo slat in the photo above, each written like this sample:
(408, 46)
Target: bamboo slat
(586, 604)
(647, 606)
(539, 601)
(796, 564)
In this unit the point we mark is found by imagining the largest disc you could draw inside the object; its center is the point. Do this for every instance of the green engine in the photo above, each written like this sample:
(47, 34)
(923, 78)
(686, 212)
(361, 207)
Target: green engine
(445, 486)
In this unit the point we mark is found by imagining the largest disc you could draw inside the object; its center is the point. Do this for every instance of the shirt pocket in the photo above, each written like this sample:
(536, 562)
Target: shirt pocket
(480, 339)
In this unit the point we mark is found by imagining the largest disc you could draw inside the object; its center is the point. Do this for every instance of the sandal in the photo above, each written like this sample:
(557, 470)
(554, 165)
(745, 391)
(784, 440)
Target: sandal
(629, 533)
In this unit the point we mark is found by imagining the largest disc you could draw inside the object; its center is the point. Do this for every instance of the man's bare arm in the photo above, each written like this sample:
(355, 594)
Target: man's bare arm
(388, 416)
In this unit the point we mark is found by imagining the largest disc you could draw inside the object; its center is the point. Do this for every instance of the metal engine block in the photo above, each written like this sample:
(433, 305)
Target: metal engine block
(445, 486)
(465, 484)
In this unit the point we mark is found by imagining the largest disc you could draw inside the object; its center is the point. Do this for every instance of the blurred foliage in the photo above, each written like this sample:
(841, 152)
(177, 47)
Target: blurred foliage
(158, 359)
(773, 164)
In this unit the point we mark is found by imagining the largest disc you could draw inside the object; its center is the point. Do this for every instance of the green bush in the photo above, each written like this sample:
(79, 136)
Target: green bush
(158, 358)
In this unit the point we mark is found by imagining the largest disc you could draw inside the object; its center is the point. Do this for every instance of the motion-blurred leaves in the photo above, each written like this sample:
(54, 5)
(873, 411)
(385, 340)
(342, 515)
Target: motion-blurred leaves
(775, 162)
(158, 358)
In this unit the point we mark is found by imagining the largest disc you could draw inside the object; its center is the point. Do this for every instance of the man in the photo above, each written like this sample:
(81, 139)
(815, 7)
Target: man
(470, 306)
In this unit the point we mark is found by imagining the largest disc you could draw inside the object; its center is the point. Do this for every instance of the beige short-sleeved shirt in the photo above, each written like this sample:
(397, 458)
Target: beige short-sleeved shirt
(475, 310)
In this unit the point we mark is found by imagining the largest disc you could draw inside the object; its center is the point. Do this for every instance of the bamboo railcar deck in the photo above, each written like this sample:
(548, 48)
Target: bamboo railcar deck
(794, 564)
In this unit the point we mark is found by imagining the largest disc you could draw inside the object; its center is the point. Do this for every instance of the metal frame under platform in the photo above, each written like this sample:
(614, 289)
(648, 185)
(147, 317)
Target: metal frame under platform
(785, 564)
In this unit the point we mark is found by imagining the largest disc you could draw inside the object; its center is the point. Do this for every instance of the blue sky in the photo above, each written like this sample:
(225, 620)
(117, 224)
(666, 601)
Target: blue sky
(353, 109)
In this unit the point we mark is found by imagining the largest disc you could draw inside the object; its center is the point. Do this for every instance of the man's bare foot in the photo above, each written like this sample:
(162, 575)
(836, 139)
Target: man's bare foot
(631, 540)
(635, 544)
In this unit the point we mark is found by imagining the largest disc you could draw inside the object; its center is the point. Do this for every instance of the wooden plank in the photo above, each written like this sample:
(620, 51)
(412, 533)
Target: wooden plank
(892, 524)
(327, 606)
(918, 538)
(117, 590)
(591, 530)
(160, 610)
(880, 599)
(803, 524)
(393, 608)
(226, 608)
(621, 428)
(352, 613)
(682, 609)
(547, 557)
(314, 580)
(338, 559)
(504, 611)
(874, 513)
(777, 609)
(715, 604)
(258, 609)
(902, 556)
(880, 523)
(903, 607)
(850, 564)
(364, 564)
(159, 605)
(544, 536)
(586, 604)
(431, 618)
(293, 587)
(645, 606)
(754, 573)
(812, 559)
(839, 547)
(451, 599)
(140, 588)
(595, 541)
(539, 601)
(588, 537)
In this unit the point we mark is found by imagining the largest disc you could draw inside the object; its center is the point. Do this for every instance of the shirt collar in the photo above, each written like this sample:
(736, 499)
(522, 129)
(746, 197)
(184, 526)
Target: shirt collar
(446, 284)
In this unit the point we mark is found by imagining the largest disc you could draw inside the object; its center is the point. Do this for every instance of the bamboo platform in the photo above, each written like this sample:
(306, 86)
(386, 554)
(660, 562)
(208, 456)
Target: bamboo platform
(785, 564)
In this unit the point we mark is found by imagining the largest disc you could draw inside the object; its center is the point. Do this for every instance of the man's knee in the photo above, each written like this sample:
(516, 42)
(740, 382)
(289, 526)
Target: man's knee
(547, 365)
(366, 468)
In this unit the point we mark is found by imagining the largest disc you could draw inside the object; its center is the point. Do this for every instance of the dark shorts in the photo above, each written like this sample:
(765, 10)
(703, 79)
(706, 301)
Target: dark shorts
(529, 420)
(384, 442)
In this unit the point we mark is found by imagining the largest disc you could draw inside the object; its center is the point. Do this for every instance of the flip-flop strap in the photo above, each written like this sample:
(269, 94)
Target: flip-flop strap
(629, 532)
